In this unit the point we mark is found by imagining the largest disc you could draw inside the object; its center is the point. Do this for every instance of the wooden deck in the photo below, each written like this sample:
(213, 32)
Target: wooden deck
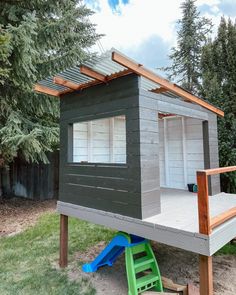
(177, 225)
(180, 209)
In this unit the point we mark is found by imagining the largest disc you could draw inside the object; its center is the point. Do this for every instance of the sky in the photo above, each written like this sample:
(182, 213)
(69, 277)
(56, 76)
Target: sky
(145, 30)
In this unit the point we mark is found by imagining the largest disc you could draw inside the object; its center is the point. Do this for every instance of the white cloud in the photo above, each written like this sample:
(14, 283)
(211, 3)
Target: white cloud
(208, 2)
(132, 25)
(136, 22)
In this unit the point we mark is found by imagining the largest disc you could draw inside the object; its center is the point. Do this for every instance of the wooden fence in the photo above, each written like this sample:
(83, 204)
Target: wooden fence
(32, 181)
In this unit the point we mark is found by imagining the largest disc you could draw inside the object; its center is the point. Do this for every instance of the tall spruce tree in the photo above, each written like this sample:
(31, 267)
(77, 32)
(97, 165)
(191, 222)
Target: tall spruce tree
(5, 51)
(185, 57)
(218, 65)
(37, 39)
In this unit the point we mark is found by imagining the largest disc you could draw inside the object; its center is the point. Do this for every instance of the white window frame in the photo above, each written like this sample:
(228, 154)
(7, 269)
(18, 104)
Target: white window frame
(111, 141)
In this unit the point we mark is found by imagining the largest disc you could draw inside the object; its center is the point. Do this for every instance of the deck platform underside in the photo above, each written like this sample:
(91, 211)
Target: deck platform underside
(177, 225)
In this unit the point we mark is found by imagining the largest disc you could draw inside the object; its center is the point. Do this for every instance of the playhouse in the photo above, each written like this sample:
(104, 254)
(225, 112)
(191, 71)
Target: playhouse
(131, 142)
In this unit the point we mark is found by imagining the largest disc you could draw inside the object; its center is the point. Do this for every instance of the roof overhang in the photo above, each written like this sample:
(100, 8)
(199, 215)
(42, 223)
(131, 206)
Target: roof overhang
(109, 66)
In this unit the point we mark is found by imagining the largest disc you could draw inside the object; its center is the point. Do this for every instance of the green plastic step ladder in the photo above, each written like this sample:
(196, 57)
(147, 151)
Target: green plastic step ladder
(142, 272)
(141, 265)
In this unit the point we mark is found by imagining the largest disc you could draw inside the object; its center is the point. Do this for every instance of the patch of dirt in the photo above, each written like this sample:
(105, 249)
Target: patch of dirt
(17, 214)
(179, 265)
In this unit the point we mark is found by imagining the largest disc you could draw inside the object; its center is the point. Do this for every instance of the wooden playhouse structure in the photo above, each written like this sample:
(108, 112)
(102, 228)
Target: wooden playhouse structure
(130, 144)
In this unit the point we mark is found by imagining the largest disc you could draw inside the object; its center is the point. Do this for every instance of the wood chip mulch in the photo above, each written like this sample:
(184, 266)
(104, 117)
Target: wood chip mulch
(16, 214)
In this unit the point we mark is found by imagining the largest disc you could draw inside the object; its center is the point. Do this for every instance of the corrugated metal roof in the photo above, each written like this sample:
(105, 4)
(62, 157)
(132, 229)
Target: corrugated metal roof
(105, 66)
(102, 64)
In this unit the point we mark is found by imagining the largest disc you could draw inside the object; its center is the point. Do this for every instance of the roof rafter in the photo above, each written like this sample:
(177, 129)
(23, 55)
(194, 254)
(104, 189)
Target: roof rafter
(63, 82)
(46, 90)
(161, 116)
(93, 74)
(75, 87)
(139, 70)
(159, 90)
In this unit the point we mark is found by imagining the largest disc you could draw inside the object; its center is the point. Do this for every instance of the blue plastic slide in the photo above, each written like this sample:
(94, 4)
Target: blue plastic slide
(115, 248)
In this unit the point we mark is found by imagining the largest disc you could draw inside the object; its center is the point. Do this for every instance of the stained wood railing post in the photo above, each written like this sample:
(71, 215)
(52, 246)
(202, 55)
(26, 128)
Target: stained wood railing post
(203, 203)
(63, 261)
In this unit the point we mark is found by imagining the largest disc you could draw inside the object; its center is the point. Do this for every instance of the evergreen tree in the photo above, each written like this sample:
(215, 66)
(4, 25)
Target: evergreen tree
(5, 51)
(37, 39)
(185, 57)
(219, 87)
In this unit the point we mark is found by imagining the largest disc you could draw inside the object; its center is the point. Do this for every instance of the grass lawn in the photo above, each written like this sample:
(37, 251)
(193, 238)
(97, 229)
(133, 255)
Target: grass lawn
(229, 249)
(28, 261)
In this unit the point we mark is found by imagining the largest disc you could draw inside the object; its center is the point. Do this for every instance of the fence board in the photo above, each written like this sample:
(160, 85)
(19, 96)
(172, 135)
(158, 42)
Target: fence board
(32, 181)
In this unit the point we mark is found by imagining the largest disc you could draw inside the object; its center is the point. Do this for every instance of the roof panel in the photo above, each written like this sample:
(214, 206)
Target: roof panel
(113, 62)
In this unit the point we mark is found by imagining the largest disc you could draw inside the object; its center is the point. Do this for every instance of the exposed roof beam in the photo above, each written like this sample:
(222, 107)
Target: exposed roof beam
(139, 70)
(159, 90)
(92, 74)
(46, 90)
(161, 116)
(63, 82)
(74, 86)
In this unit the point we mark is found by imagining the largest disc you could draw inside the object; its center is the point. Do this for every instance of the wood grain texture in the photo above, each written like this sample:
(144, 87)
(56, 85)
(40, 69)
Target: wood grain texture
(75, 87)
(63, 260)
(223, 217)
(203, 204)
(46, 90)
(138, 69)
(61, 81)
(92, 74)
(159, 90)
(206, 275)
(192, 290)
(219, 170)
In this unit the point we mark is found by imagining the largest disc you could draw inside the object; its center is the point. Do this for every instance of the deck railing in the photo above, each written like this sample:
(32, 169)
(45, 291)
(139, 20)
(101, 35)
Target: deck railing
(206, 222)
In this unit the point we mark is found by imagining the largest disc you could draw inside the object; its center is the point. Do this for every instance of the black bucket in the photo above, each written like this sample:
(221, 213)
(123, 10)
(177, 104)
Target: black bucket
(192, 187)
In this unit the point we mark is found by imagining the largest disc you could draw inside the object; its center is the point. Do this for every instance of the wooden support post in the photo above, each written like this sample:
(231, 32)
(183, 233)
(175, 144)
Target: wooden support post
(203, 203)
(63, 262)
(206, 275)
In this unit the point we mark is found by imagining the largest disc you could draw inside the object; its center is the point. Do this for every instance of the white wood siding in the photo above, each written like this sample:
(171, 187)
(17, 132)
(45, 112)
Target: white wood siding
(175, 153)
(162, 153)
(100, 141)
(180, 151)
(194, 147)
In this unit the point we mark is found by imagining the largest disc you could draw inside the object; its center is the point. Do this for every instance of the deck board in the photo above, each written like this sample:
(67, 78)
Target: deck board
(179, 208)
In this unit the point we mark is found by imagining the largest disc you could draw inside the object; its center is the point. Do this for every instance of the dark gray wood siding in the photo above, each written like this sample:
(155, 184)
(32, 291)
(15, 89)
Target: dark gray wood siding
(131, 189)
(109, 187)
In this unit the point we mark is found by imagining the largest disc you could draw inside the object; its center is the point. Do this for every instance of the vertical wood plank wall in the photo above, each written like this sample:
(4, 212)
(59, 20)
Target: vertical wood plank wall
(180, 151)
(31, 180)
